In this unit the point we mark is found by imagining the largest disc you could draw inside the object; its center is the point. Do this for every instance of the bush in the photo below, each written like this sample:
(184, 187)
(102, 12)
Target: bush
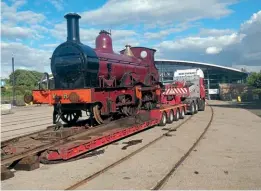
(254, 80)
(257, 91)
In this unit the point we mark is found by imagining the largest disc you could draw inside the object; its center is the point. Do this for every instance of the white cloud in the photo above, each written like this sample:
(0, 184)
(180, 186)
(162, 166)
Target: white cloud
(17, 25)
(253, 24)
(248, 68)
(215, 32)
(58, 4)
(51, 45)
(201, 43)
(250, 46)
(25, 57)
(224, 46)
(163, 33)
(15, 32)
(220, 46)
(121, 12)
(12, 16)
(213, 50)
(87, 36)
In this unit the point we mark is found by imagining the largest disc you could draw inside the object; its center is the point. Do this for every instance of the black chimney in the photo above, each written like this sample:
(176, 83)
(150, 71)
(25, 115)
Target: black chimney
(73, 33)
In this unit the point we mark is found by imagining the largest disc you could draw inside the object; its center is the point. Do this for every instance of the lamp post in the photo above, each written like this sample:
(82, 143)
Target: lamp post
(13, 102)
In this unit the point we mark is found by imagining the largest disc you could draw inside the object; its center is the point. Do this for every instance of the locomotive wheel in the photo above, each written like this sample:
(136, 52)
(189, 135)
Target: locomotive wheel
(70, 117)
(132, 110)
(148, 105)
(124, 110)
(127, 110)
(97, 114)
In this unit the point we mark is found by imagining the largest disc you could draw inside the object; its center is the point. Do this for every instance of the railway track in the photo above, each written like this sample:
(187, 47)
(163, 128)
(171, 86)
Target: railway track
(164, 180)
(36, 143)
(17, 116)
(23, 121)
(166, 177)
(33, 143)
(32, 126)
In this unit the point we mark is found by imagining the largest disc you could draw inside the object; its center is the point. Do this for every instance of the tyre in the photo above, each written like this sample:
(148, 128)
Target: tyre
(196, 106)
(201, 105)
(182, 113)
(170, 117)
(163, 120)
(177, 115)
(192, 108)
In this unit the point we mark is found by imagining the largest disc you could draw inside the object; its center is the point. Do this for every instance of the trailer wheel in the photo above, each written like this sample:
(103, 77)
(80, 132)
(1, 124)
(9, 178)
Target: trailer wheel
(163, 120)
(177, 115)
(196, 107)
(201, 106)
(182, 113)
(171, 117)
(192, 108)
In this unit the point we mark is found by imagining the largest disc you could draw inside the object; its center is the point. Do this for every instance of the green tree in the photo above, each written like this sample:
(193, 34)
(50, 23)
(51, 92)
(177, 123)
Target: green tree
(26, 79)
(254, 80)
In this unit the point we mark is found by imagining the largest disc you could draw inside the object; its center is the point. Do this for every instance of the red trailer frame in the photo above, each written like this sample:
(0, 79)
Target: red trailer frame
(165, 114)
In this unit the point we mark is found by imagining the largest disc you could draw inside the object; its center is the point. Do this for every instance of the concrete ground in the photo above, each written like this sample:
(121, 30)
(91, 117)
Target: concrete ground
(25, 120)
(228, 157)
(143, 170)
(61, 176)
(253, 106)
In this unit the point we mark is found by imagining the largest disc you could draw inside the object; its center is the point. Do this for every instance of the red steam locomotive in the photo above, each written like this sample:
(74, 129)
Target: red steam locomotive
(98, 81)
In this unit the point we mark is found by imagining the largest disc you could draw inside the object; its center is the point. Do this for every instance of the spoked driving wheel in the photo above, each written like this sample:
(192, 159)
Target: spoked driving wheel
(97, 114)
(132, 110)
(128, 109)
(70, 117)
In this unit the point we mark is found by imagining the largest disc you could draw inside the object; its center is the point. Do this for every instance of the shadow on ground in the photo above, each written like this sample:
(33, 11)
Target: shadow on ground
(254, 107)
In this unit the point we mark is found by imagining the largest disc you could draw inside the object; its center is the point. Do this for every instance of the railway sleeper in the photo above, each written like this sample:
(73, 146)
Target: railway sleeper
(6, 173)
(28, 163)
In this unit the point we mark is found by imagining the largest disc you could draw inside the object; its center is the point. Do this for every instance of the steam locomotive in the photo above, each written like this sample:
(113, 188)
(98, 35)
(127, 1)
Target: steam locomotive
(98, 81)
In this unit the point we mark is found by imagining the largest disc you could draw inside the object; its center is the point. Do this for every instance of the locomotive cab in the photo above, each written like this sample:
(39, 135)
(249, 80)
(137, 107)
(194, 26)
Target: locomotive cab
(143, 53)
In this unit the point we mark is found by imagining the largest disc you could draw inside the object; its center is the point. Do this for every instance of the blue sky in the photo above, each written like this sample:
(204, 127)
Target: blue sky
(223, 32)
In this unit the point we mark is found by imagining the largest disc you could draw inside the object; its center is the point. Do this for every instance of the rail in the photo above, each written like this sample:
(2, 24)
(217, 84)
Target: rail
(165, 178)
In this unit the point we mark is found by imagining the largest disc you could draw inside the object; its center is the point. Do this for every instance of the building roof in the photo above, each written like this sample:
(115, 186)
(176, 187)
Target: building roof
(198, 64)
